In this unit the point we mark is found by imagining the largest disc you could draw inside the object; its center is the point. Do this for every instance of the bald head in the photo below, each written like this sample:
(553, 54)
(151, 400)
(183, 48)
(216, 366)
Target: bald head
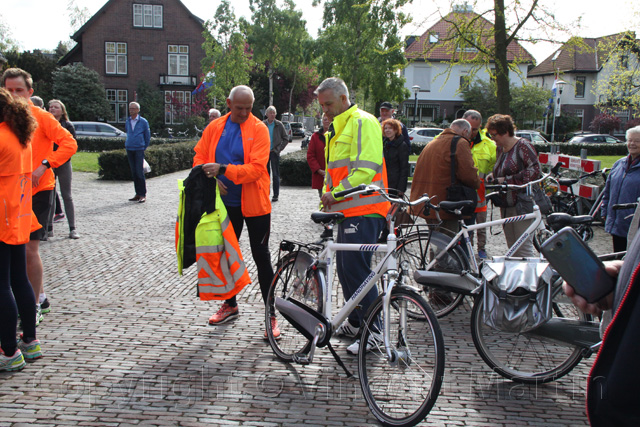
(461, 127)
(241, 90)
(240, 103)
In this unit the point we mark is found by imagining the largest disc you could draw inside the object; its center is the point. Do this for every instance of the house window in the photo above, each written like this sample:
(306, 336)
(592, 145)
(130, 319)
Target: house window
(580, 114)
(115, 57)
(117, 99)
(147, 15)
(177, 105)
(178, 60)
(624, 62)
(465, 80)
(433, 38)
(580, 84)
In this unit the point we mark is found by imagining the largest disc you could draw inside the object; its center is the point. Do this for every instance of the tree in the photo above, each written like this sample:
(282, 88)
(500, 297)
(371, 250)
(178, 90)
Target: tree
(151, 102)
(226, 63)
(7, 43)
(82, 92)
(480, 95)
(473, 40)
(361, 43)
(605, 123)
(41, 67)
(528, 105)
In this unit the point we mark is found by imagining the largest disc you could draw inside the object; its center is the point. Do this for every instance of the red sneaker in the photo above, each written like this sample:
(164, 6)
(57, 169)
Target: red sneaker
(223, 315)
(274, 329)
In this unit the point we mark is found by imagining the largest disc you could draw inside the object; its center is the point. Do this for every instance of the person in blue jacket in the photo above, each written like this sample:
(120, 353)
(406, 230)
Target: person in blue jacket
(138, 137)
(623, 186)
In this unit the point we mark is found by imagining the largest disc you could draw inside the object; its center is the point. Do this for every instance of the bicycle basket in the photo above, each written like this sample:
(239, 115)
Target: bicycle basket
(517, 293)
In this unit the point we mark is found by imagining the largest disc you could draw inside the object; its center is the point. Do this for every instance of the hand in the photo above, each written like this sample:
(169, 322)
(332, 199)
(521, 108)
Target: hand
(37, 174)
(489, 178)
(223, 188)
(606, 303)
(211, 169)
(327, 199)
(322, 172)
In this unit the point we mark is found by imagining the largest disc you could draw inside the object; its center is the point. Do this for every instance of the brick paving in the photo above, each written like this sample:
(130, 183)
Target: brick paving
(127, 341)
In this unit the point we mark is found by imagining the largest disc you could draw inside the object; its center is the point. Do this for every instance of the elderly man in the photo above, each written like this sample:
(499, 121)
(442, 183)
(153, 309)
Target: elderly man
(235, 149)
(214, 114)
(279, 140)
(49, 131)
(354, 157)
(138, 138)
(386, 112)
(433, 170)
(483, 151)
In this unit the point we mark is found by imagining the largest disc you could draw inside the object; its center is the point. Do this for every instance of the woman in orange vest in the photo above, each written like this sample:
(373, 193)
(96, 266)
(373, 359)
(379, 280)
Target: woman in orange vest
(16, 294)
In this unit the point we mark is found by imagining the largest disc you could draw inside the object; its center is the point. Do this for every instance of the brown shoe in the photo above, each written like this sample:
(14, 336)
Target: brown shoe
(142, 199)
(274, 329)
(134, 199)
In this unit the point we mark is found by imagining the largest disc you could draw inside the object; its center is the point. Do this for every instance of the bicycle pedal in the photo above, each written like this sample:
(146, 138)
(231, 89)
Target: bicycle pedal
(301, 359)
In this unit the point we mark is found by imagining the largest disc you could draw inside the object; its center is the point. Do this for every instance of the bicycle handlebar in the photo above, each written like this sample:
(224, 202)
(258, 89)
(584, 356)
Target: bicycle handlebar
(505, 186)
(370, 189)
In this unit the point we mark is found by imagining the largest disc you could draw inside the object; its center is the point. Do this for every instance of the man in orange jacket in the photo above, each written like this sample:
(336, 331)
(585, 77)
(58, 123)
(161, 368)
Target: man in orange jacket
(49, 131)
(235, 149)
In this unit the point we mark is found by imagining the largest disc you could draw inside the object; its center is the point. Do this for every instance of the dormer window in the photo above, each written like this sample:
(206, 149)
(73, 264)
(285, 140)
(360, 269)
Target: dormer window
(433, 38)
(147, 15)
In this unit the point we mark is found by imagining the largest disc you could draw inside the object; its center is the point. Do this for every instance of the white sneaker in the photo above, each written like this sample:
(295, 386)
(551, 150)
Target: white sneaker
(347, 330)
(375, 340)
(39, 316)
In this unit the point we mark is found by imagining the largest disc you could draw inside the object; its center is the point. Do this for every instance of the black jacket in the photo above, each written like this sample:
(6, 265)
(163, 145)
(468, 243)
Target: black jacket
(396, 157)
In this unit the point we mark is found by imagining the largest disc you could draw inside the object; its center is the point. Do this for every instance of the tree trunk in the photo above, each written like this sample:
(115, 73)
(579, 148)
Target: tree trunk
(270, 74)
(295, 76)
(502, 66)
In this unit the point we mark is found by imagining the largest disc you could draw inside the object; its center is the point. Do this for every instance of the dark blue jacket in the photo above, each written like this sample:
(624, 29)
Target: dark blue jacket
(138, 138)
(622, 187)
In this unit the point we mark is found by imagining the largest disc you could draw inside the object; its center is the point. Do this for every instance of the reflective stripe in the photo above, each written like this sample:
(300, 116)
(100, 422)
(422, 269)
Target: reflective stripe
(346, 184)
(356, 201)
(338, 164)
(213, 279)
(481, 204)
(209, 249)
(359, 140)
(366, 164)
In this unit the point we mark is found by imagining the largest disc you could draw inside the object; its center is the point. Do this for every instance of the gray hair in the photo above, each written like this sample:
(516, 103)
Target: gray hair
(334, 84)
(37, 101)
(241, 88)
(135, 104)
(460, 126)
(472, 114)
(632, 131)
(271, 108)
(214, 110)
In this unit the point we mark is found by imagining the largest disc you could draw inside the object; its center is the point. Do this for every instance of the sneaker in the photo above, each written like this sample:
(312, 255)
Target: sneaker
(347, 330)
(58, 217)
(30, 351)
(50, 233)
(45, 307)
(482, 254)
(274, 199)
(274, 329)
(223, 315)
(73, 234)
(375, 340)
(39, 316)
(13, 363)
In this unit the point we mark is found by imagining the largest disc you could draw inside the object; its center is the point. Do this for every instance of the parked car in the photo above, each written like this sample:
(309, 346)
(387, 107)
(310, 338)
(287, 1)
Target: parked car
(594, 139)
(532, 136)
(287, 127)
(97, 129)
(297, 129)
(423, 134)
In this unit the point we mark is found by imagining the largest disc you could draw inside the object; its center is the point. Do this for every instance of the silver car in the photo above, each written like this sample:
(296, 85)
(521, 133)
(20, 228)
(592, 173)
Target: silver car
(423, 134)
(532, 136)
(98, 129)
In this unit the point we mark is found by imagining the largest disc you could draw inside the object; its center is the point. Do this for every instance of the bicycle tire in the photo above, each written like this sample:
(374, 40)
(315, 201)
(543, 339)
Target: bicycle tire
(292, 281)
(522, 357)
(402, 393)
(410, 251)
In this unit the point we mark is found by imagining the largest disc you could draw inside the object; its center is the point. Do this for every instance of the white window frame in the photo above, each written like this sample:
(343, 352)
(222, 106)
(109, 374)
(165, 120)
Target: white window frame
(147, 15)
(118, 100)
(175, 114)
(178, 60)
(582, 79)
(115, 61)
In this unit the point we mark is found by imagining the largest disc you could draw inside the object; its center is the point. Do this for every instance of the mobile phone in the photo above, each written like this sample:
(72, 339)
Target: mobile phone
(570, 256)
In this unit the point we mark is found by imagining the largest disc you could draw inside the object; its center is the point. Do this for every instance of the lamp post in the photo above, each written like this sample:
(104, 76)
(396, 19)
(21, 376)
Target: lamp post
(415, 89)
(559, 84)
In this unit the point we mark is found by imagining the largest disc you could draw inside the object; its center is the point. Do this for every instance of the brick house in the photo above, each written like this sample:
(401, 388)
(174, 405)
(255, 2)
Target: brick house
(429, 56)
(157, 41)
(583, 62)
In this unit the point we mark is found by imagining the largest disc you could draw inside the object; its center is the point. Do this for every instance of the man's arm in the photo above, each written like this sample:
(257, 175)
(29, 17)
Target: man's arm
(283, 140)
(258, 157)
(466, 172)
(147, 134)
(55, 132)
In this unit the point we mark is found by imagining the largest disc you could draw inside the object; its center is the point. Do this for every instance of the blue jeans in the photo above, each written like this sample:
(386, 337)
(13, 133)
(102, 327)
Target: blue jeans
(136, 158)
(274, 165)
(354, 267)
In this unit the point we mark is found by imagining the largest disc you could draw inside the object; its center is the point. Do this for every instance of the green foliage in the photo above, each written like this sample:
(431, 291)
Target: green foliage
(592, 149)
(605, 123)
(163, 159)
(480, 95)
(151, 102)
(82, 91)
(294, 169)
(41, 68)
(95, 143)
(7, 42)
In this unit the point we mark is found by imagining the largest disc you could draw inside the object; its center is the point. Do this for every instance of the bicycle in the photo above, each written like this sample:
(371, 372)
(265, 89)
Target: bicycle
(402, 375)
(538, 356)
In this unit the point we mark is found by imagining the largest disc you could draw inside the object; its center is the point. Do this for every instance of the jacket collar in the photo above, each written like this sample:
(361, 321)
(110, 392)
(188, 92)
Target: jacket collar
(340, 121)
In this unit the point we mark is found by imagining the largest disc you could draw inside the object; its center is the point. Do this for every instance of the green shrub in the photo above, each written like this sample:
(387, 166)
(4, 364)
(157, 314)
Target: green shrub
(592, 149)
(96, 143)
(294, 169)
(163, 159)
(417, 147)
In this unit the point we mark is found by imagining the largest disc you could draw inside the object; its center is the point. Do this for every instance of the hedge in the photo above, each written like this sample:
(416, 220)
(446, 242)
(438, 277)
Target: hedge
(294, 169)
(96, 143)
(163, 159)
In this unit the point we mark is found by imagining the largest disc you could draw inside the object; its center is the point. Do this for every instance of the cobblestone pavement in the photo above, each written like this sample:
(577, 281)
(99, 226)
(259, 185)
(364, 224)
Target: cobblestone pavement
(127, 341)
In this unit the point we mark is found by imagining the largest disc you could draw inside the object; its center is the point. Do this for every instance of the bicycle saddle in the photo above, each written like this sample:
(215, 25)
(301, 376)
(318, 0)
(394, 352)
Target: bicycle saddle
(559, 220)
(567, 182)
(451, 207)
(326, 217)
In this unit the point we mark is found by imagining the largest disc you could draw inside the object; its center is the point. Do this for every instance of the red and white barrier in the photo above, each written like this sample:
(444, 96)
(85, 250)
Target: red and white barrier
(588, 191)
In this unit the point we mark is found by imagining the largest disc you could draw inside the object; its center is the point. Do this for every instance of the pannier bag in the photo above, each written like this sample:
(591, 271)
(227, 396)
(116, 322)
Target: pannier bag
(517, 293)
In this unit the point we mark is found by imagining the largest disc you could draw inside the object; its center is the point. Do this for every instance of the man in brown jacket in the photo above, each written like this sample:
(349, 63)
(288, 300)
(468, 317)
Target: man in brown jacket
(433, 170)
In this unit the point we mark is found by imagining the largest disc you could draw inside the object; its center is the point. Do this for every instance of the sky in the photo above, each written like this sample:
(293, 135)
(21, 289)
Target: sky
(41, 24)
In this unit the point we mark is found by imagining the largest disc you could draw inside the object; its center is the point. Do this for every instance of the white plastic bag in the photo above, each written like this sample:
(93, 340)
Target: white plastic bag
(145, 166)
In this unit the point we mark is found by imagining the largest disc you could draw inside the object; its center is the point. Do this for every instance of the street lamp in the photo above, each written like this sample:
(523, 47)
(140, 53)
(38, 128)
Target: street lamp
(559, 84)
(415, 89)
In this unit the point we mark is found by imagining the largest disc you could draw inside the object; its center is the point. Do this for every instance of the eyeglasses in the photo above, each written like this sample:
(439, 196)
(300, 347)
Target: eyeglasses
(493, 135)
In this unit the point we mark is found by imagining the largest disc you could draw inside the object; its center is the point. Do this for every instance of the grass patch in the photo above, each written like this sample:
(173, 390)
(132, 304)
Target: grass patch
(606, 161)
(84, 161)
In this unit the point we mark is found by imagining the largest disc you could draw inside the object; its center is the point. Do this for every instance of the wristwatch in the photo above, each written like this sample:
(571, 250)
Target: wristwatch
(222, 169)
(46, 163)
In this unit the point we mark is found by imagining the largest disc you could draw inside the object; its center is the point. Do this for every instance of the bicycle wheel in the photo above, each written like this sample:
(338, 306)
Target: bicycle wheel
(410, 253)
(524, 357)
(292, 281)
(402, 392)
